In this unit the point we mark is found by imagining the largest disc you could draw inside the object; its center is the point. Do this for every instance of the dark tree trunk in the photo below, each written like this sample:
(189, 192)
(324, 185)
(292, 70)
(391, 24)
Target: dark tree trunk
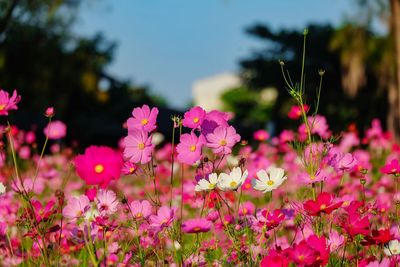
(393, 119)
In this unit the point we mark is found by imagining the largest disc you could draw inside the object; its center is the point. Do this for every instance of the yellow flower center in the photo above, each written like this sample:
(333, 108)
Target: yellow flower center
(139, 215)
(132, 170)
(301, 257)
(193, 148)
(2, 107)
(196, 120)
(244, 211)
(270, 182)
(223, 142)
(211, 186)
(144, 121)
(99, 168)
(196, 229)
(323, 206)
(233, 184)
(141, 146)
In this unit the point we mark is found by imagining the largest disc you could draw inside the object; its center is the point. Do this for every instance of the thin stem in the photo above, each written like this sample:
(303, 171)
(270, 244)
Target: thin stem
(41, 155)
(172, 164)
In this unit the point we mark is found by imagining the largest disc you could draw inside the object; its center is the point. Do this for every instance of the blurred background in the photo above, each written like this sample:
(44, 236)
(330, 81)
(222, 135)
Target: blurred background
(95, 60)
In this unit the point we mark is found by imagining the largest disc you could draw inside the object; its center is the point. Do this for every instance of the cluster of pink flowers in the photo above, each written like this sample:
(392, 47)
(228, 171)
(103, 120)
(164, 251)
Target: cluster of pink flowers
(210, 129)
(206, 201)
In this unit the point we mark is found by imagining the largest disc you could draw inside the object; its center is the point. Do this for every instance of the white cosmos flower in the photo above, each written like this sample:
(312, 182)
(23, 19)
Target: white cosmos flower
(232, 181)
(269, 180)
(2, 188)
(206, 185)
(392, 248)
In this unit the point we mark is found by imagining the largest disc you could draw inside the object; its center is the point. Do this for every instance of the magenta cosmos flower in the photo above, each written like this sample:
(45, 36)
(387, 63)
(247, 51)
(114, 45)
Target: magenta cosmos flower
(138, 146)
(8, 103)
(194, 226)
(140, 209)
(392, 167)
(42, 212)
(189, 148)
(76, 207)
(129, 168)
(194, 117)
(55, 130)
(99, 165)
(222, 139)
(143, 119)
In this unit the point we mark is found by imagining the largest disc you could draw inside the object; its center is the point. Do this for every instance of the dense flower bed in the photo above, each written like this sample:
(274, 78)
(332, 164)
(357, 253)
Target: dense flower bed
(205, 198)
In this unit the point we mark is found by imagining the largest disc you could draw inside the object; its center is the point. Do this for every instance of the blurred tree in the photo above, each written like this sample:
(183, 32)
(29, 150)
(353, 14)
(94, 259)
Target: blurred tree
(262, 70)
(51, 67)
(359, 47)
(251, 108)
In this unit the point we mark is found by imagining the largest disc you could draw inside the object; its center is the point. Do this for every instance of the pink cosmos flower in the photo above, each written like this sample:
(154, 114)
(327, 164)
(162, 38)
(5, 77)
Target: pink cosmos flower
(107, 202)
(261, 135)
(99, 165)
(335, 240)
(320, 175)
(138, 146)
(189, 148)
(76, 207)
(140, 209)
(7, 103)
(164, 218)
(194, 117)
(42, 213)
(214, 119)
(129, 168)
(222, 139)
(198, 225)
(247, 208)
(143, 119)
(296, 112)
(391, 168)
(343, 162)
(323, 204)
(55, 130)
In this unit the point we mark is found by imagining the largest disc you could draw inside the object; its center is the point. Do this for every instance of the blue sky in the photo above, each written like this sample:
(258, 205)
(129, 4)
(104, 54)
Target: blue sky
(168, 44)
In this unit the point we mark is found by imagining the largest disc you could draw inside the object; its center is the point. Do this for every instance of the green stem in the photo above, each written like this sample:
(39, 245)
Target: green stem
(41, 155)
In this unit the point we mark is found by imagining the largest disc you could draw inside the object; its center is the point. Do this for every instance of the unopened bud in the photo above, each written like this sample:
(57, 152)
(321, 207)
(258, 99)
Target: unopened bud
(49, 112)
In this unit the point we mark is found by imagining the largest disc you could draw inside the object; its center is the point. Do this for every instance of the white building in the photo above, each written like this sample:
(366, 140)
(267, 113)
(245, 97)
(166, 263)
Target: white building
(207, 92)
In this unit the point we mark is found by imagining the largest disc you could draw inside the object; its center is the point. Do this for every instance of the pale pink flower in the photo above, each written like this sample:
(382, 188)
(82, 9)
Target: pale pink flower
(55, 130)
(107, 202)
(76, 207)
(222, 139)
(138, 146)
(140, 209)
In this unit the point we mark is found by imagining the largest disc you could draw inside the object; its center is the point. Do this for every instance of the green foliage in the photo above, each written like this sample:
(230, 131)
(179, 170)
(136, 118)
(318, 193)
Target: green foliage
(261, 69)
(249, 107)
(49, 66)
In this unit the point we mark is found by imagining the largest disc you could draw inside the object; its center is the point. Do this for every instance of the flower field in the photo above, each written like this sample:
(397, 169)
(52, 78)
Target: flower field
(305, 197)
